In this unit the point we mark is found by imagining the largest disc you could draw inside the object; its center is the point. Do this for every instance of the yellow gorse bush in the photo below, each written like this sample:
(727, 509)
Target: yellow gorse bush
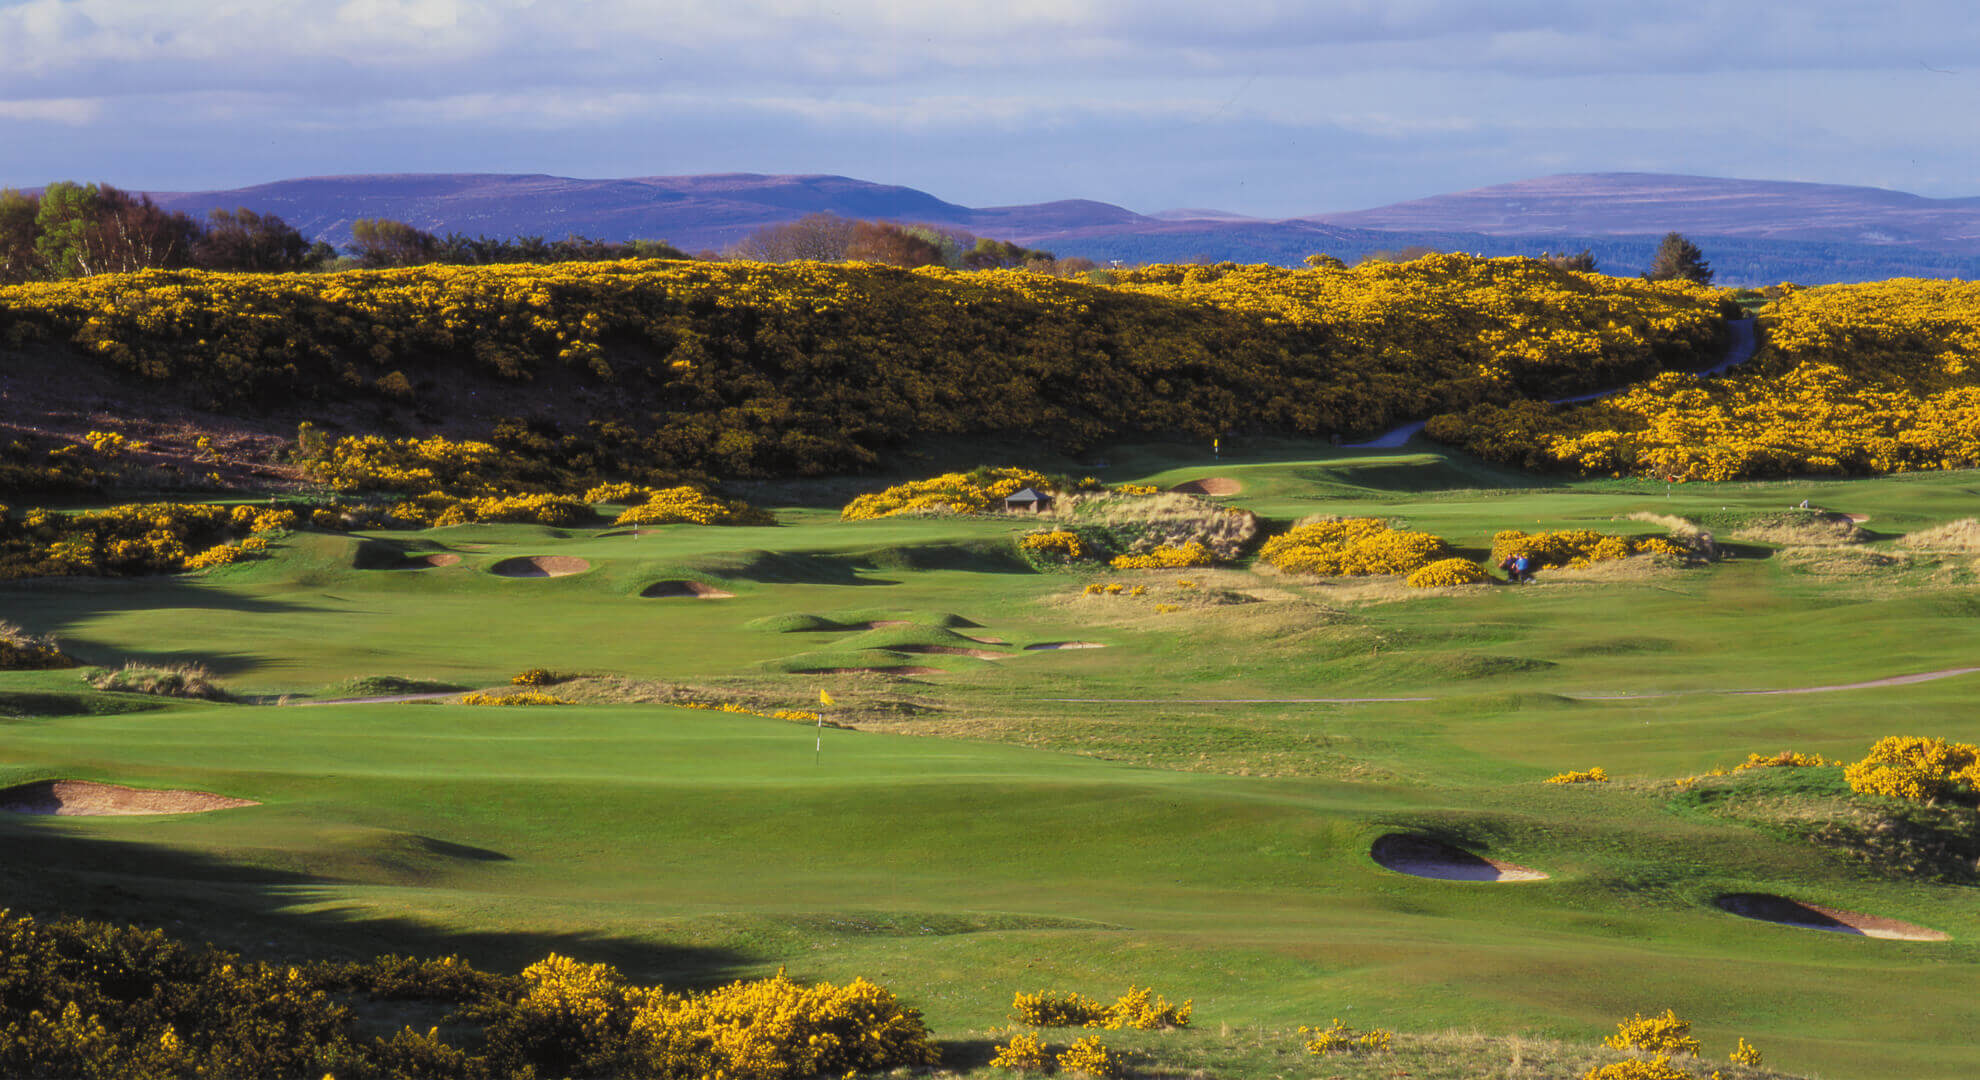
(980, 492)
(1654, 1068)
(1578, 547)
(1338, 1038)
(747, 369)
(1091, 1058)
(1911, 767)
(1050, 1008)
(1024, 1053)
(1164, 557)
(802, 716)
(1853, 379)
(1745, 1054)
(1341, 547)
(1666, 1034)
(22, 651)
(690, 506)
(1786, 759)
(1448, 573)
(1596, 775)
(519, 697)
(1060, 543)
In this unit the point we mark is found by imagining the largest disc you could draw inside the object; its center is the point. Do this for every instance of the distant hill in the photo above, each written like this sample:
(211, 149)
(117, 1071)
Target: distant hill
(1753, 231)
(1619, 204)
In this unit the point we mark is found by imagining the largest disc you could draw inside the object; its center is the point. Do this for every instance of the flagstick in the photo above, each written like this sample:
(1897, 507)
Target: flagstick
(818, 752)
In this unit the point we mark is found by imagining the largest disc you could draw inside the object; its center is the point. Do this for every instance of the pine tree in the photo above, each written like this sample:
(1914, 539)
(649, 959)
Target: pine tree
(1679, 258)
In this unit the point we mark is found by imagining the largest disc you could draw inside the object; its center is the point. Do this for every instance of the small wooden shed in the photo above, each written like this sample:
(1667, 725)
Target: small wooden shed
(1028, 499)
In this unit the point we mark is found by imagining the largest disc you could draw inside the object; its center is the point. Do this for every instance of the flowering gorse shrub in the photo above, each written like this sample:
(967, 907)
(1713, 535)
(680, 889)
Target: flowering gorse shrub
(1666, 1034)
(1448, 573)
(1336, 547)
(1786, 759)
(979, 492)
(1596, 775)
(1654, 1068)
(1578, 547)
(22, 651)
(1338, 1038)
(1165, 557)
(1049, 1008)
(1091, 1058)
(519, 697)
(1061, 544)
(1911, 767)
(1853, 379)
(691, 506)
(801, 716)
(1745, 1054)
(1024, 1053)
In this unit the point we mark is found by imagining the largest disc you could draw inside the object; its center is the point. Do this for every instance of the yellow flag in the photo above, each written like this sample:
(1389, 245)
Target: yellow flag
(824, 698)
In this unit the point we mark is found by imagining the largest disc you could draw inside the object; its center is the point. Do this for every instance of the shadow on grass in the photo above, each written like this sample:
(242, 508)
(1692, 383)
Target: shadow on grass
(53, 868)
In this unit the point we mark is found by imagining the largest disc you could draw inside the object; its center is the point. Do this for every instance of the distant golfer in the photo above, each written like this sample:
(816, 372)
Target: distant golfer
(1522, 568)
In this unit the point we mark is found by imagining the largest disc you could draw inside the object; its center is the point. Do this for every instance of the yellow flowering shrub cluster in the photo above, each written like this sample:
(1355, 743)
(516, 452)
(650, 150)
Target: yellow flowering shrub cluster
(1746, 1054)
(688, 505)
(1165, 557)
(1139, 1007)
(1448, 573)
(1596, 775)
(1658, 1067)
(534, 677)
(1339, 1038)
(1091, 1058)
(1113, 588)
(1026, 1052)
(1786, 759)
(1666, 1034)
(22, 651)
(1911, 767)
(436, 509)
(1853, 379)
(519, 697)
(1339, 547)
(1578, 547)
(750, 369)
(136, 538)
(585, 1020)
(981, 491)
(802, 716)
(1062, 544)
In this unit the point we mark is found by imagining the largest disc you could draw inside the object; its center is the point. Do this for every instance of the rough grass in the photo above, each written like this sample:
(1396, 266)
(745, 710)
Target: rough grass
(1955, 537)
(22, 651)
(1786, 528)
(1138, 523)
(1842, 563)
(392, 685)
(173, 680)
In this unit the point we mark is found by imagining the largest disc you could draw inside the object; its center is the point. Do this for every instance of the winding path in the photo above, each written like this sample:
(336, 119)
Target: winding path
(1738, 351)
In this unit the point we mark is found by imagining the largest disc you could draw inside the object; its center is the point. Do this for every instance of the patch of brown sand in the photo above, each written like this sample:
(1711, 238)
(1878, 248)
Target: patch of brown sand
(880, 624)
(84, 798)
(694, 590)
(1786, 912)
(951, 650)
(1420, 856)
(1209, 485)
(1066, 645)
(447, 559)
(899, 670)
(534, 566)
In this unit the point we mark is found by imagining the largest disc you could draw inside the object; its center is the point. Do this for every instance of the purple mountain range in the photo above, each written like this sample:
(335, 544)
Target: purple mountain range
(1773, 230)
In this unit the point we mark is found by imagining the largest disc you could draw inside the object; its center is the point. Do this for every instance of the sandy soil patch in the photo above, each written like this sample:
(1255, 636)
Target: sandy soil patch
(1209, 485)
(1067, 645)
(951, 650)
(880, 624)
(1423, 857)
(895, 670)
(1786, 912)
(693, 590)
(84, 798)
(528, 566)
(446, 559)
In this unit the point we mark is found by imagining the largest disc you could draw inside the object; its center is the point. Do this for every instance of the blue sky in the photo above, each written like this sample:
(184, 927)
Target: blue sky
(1269, 108)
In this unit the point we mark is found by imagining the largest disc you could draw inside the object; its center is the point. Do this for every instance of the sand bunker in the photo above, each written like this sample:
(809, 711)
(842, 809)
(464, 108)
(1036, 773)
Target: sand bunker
(1780, 909)
(880, 624)
(540, 566)
(951, 650)
(902, 670)
(1067, 645)
(1420, 856)
(82, 798)
(1209, 485)
(448, 559)
(986, 639)
(694, 590)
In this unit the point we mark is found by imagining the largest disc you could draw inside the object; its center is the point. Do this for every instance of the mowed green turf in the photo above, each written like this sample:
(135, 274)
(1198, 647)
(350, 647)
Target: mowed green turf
(1125, 846)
